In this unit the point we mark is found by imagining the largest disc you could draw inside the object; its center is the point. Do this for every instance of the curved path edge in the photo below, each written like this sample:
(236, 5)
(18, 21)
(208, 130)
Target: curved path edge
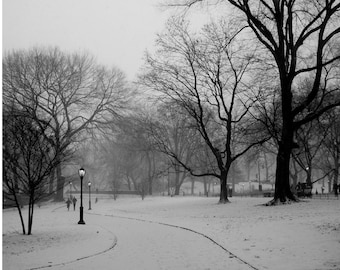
(114, 243)
(232, 255)
(79, 259)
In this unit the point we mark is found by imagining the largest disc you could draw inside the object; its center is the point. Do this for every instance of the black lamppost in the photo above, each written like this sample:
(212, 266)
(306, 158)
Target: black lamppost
(89, 184)
(81, 175)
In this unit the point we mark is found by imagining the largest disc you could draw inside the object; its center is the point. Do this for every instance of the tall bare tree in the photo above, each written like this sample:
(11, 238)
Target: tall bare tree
(69, 93)
(329, 160)
(301, 37)
(206, 75)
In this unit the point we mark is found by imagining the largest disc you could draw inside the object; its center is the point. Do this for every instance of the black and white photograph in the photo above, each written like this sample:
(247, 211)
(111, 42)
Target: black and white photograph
(171, 134)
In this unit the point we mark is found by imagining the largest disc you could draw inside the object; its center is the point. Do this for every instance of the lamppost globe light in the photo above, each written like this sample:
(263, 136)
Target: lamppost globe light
(89, 184)
(82, 172)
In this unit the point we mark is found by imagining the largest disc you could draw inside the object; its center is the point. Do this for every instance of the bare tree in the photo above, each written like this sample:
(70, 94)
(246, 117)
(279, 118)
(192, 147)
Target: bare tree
(300, 36)
(310, 140)
(134, 137)
(171, 134)
(28, 159)
(203, 75)
(128, 154)
(69, 93)
(329, 160)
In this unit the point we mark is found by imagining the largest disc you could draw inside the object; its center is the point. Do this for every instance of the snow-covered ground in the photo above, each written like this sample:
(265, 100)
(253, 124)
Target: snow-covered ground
(177, 233)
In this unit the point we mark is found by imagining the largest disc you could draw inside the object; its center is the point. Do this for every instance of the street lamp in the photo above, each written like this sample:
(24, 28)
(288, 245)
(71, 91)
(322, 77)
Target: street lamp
(89, 185)
(81, 175)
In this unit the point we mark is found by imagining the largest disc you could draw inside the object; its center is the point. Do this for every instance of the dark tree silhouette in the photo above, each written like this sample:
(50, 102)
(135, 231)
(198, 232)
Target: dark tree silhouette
(28, 160)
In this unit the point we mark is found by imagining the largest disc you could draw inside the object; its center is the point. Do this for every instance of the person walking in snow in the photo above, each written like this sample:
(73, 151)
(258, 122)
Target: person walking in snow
(74, 203)
(68, 203)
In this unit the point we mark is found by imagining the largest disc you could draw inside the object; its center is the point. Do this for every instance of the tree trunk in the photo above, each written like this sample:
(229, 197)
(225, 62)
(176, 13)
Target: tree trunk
(205, 186)
(282, 185)
(51, 183)
(151, 172)
(128, 182)
(266, 167)
(177, 176)
(309, 175)
(336, 173)
(192, 185)
(30, 213)
(294, 175)
(209, 187)
(150, 186)
(30, 218)
(17, 203)
(60, 185)
(150, 181)
(248, 171)
(232, 168)
(169, 181)
(224, 190)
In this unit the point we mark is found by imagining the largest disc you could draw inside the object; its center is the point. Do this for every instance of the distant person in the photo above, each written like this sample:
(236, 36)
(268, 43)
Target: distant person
(74, 203)
(68, 203)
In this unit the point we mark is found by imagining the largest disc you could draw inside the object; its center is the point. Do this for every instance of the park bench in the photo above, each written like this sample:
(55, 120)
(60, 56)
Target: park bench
(268, 193)
(304, 190)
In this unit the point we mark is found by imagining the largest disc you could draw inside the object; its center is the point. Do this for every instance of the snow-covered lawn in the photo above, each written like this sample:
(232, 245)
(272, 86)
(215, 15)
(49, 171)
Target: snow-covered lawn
(298, 236)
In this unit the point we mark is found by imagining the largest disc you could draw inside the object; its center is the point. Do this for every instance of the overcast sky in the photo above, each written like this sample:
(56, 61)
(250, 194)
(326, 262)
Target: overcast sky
(116, 32)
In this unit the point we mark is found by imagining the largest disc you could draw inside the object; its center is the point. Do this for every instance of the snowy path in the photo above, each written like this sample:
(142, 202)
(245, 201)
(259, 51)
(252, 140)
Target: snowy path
(167, 248)
(177, 233)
